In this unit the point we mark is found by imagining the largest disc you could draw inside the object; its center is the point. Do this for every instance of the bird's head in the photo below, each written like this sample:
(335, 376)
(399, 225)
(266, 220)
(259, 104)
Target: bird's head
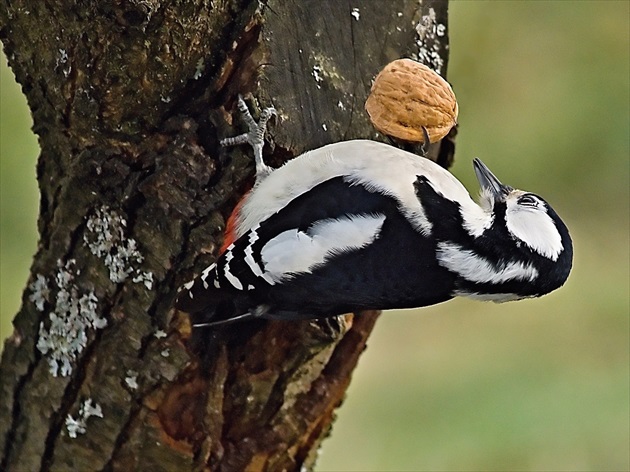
(531, 222)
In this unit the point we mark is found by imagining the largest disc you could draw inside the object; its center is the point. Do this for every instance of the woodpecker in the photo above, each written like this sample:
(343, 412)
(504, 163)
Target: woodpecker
(360, 225)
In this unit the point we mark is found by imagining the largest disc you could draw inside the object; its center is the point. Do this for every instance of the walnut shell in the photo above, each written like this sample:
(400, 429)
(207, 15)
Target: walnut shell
(406, 96)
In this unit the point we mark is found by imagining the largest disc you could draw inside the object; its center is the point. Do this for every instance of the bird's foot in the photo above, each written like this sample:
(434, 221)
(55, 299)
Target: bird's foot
(255, 136)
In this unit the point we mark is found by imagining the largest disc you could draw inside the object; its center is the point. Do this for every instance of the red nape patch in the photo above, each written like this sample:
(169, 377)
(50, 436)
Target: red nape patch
(230, 229)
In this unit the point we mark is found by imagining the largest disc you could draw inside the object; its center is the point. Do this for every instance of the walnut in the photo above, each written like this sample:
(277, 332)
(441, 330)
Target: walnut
(406, 96)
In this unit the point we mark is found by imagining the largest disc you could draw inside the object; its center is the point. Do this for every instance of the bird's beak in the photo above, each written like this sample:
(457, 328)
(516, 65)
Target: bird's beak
(488, 181)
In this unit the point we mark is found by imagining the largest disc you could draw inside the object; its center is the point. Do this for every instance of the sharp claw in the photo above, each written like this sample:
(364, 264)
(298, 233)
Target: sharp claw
(255, 137)
(426, 143)
(268, 113)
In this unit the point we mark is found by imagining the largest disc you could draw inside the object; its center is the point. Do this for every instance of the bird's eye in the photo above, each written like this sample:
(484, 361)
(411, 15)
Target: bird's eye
(528, 200)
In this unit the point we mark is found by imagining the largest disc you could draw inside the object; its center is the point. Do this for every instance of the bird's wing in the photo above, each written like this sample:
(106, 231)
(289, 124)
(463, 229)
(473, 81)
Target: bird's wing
(334, 217)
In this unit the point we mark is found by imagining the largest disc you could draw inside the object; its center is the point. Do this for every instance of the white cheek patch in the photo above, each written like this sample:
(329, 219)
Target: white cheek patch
(535, 228)
(294, 251)
(477, 269)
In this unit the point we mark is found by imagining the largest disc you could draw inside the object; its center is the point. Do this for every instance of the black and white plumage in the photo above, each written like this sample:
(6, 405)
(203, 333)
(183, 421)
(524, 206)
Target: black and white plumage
(363, 225)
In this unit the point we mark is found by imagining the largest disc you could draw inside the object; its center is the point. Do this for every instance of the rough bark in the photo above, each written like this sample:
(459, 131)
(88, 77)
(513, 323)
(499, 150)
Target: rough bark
(129, 100)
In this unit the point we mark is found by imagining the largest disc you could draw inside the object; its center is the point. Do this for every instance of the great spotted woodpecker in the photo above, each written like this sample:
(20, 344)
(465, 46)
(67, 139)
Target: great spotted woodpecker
(363, 225)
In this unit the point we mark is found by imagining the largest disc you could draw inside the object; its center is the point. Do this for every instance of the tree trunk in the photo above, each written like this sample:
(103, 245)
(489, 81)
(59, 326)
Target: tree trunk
(129, 100)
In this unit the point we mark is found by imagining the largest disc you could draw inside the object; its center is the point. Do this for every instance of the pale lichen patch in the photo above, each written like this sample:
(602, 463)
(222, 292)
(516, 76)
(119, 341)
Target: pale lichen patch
(326, 69)
(146, 278)
(317, 74)
(106, 238)
(79, 425)
(40, 292)
(132, 379)
(61, 62)
(74, 314)
(159, 334)
(199, 69)
(429, 30)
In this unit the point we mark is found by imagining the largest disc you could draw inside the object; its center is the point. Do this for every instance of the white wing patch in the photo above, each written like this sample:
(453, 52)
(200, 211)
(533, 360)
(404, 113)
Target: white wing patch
(477, 269)
(294, 251)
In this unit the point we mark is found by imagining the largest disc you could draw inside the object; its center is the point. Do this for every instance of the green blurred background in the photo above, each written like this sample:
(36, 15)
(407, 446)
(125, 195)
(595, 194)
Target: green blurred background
(544, 384)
